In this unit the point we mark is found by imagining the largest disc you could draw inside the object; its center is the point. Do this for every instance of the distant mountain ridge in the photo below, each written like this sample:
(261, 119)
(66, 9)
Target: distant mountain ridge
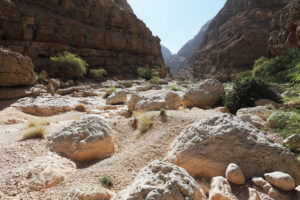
(166, 53)
(179, 60)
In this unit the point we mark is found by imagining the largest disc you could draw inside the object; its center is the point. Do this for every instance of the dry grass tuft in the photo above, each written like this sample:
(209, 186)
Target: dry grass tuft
(35, 129)
(80, 108)
(34, 132)
(144, 122)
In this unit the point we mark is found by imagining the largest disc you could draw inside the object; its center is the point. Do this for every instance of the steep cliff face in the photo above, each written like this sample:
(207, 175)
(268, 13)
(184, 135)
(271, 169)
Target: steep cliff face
(236, 37)
(179, 60)
(105, 33)
(166, 53)
(285, 28)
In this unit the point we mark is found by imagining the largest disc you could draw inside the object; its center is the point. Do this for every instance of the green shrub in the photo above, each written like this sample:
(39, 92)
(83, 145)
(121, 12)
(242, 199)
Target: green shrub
(280, 69)
(69, 65)
(106, 180)
(246, 91)
(145, 73)
(244, 74)
(109, 91)
(162, 112)
(286, 123)
(174, 87)
(155, 80)
(296, 74)
(98, 73)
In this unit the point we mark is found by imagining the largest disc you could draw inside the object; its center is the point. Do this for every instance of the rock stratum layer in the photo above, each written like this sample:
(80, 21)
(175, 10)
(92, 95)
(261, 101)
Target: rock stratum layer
(236, 37)
(106, 33)
(285, 28)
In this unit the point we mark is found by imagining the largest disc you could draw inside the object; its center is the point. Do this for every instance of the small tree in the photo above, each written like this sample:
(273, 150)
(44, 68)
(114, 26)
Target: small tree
(246, 91)
(69, 66)
(145, 73)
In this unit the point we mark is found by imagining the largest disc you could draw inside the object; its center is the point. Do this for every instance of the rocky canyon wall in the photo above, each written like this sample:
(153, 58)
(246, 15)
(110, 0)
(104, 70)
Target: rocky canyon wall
(285, 28)
(105, 33)
(236, 37)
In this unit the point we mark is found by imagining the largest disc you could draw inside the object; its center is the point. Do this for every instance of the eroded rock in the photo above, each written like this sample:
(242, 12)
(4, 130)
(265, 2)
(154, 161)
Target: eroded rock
(281, 180)
(206, 147)
(259, 111)
(206, 93)
(15, 69)
(162, 181)
(90, 192)
(87, 139)
(118, 97)
(220, 189)
(234, 174)
(47, 171)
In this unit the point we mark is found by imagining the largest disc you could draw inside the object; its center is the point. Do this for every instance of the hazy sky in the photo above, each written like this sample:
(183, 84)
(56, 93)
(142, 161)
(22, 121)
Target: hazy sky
(175, 21)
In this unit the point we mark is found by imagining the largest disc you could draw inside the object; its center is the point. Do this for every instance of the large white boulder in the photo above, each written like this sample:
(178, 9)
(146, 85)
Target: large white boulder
(206, 147)
(87, 139)
(281, 180)
(162, 181)
(259, 111)
(206, 93)
(168, 100)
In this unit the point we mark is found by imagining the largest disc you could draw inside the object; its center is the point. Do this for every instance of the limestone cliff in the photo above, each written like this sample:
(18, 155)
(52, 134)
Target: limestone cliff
(105, 33)
(285, 28)
(236, 37)
(179, 60)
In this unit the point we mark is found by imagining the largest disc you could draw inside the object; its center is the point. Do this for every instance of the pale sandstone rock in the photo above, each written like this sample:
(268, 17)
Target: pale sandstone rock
(206, 147)
(220, 189)
(118, 97)
(168, 100)
(45, 105)
(48, 171)
(267, 187)
(222, 110)
(259, 181)
(150, 105)
(259, 111)
(173, 101)
(254, 120)
(234, 174)
(162, 181)
(253, 195)
(281, 180)
(265, 102)
(293, 142)
(134, 99)
(15, 69)
(55, 82)
(206, 93)
(90, 192)
(87, 139)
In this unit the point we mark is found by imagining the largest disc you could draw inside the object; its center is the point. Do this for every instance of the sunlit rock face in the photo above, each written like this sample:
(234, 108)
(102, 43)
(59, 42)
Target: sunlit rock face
(106, 33)
(285, 28)
(235, 38)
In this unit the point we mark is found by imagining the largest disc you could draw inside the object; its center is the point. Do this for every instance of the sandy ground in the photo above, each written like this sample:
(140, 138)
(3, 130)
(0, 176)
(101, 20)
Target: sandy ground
(133, 152)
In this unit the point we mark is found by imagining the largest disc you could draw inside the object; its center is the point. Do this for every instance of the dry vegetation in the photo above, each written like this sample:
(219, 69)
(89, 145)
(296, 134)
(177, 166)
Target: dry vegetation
(35, 129)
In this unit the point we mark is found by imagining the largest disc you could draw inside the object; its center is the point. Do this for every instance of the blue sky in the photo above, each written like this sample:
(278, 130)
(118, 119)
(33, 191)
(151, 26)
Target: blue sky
(175, 21)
